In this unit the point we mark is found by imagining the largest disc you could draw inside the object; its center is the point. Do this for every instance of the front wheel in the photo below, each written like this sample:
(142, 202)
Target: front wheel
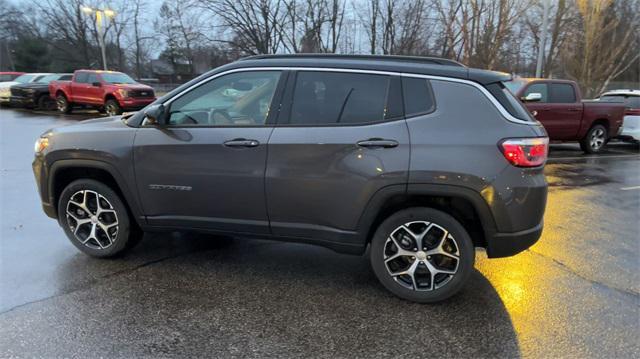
(422, 255)
(112, 108)
(595, 139)
(95, 219)
(63, 104)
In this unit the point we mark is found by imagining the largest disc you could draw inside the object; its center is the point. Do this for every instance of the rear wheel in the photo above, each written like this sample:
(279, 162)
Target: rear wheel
(422, 255)
(112, 108)
(595, 139)
(63, 104)
(95, 219)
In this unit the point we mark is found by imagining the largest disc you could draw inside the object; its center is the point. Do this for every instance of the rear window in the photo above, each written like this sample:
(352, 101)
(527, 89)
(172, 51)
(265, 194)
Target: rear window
(324, 98)
(418, 97)
(509, 101)
(629, 101)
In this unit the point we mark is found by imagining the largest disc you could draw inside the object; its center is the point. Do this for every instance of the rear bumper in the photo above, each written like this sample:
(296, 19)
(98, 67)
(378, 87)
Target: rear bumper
(509, 244)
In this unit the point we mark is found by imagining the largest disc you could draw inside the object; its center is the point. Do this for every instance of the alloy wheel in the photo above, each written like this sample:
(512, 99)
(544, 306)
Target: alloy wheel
(92, 219)
(421, 256)
(597, 139)
(62, 104)
(111, 109)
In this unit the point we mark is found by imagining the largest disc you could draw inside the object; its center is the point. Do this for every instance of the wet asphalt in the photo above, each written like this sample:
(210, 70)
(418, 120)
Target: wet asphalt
(576, 293)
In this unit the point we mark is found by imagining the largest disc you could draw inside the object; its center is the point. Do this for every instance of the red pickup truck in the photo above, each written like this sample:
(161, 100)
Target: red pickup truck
(558, 105)
(110, 91)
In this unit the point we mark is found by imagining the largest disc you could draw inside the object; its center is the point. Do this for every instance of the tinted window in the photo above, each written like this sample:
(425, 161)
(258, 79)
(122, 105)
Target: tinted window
(65, 78)
(418, 98)
(238, 99)
(338, 98)
(92, 78)
(562, 93)
(542, 89)
(82, 77)
(23, 79)
(630, 101)
(117, 78)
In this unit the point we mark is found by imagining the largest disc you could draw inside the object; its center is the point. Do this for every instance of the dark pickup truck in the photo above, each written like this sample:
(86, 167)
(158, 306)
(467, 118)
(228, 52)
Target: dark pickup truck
(36, 94)
(558, 105)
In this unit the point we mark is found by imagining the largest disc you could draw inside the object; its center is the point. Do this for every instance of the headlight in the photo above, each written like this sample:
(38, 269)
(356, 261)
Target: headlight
(41, 144)
(123, 92)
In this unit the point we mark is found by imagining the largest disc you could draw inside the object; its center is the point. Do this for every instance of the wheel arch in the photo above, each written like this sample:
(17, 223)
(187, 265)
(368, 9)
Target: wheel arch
(63, 172)
(465, 205)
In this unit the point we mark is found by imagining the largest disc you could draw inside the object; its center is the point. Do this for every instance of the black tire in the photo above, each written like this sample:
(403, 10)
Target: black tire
(123, 236)
(595, 139)
(63, 105)
(454, 283)
(44, 103)
(112, 108)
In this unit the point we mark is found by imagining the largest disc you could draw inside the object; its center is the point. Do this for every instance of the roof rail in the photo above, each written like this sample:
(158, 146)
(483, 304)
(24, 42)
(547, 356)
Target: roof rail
(414, 59)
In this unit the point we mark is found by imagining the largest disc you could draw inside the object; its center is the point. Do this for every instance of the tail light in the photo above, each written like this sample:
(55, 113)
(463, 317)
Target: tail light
(526, 152)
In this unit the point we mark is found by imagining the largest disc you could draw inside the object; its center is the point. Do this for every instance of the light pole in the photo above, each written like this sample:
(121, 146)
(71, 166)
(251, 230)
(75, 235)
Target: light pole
(543, 37)
(100, 18)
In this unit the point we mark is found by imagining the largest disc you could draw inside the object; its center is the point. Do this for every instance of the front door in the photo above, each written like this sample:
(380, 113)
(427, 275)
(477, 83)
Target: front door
(205, 168)
(340, 139)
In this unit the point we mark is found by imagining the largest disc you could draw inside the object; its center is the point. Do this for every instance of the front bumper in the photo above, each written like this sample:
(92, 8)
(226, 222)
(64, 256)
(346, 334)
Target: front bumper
(41, 173)
(22, 101)
(132, 103)
(509, 244)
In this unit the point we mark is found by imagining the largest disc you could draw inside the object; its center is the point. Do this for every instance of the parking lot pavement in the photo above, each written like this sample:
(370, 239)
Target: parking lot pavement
(576, 293)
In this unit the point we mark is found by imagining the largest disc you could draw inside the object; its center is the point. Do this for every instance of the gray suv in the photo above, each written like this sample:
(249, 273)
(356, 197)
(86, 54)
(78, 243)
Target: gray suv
(418, 160)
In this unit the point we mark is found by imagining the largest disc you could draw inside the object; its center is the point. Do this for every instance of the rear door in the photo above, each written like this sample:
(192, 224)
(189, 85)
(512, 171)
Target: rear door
(340, 138)
(205, 169)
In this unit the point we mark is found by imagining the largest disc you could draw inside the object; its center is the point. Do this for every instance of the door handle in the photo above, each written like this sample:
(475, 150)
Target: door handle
(378, 143)
(573, 109)
(241, 142)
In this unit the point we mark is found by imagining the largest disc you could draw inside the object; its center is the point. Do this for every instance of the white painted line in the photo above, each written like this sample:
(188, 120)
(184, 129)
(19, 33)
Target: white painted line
(630, 188)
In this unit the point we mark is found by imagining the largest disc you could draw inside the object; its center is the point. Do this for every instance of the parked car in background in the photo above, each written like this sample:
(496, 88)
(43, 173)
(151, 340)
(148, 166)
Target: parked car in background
(9, 76)
(558, 105)
(36, 94)
(110, 91)
(631, 124)
(5, 87)
(347, 152)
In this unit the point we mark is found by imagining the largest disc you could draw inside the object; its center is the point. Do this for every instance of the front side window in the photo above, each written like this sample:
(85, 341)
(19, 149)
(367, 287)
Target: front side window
(562, 93)
(542, 89)
(237, 99)
(324, 98)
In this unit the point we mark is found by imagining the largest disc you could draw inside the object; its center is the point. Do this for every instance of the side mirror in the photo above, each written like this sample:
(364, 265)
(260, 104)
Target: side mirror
(96, 84)
(532, 97)
(154, 114)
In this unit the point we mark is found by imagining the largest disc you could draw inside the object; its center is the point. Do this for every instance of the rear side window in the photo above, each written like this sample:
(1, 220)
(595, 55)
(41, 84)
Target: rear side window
(82, 77)
(418, 97)
(629, 101)
(324, 98)
(509, 101)
(562, 93)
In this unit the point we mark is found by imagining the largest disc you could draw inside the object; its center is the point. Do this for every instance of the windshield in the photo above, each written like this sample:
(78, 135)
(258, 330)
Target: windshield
(23, 79)
(515, 85)
(48, 78)
(117, 78)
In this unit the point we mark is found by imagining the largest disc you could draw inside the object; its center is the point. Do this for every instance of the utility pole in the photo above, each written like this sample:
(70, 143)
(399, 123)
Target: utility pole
(543, 37)
(100, 15)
